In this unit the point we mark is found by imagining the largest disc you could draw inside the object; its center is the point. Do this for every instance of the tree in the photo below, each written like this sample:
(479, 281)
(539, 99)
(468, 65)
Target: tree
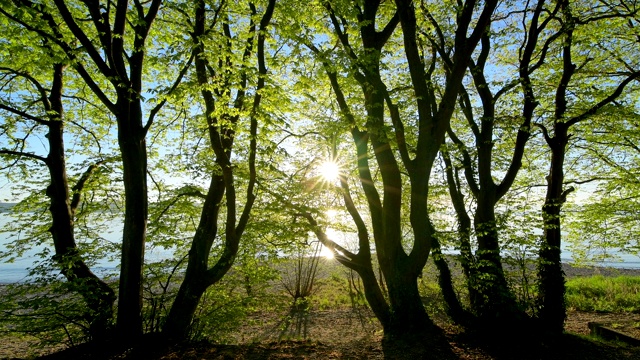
(576, 21)
(384, 132)
(114, 42)
(63, 204)
(221, 74)
(491, 298)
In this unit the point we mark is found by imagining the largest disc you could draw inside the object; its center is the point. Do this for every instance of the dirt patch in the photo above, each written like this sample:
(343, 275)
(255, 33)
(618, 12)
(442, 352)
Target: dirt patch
(342, 334)
(577, 321)
(328, 326)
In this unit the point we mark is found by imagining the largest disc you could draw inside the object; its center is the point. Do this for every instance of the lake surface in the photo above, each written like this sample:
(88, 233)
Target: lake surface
(18, 269)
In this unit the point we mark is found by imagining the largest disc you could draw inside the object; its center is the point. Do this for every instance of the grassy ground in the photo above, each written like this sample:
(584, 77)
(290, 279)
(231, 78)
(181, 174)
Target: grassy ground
(355, 342)
(604, 294)
(336, 323)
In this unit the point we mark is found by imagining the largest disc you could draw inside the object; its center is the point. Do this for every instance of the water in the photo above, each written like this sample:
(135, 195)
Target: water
(18, 270)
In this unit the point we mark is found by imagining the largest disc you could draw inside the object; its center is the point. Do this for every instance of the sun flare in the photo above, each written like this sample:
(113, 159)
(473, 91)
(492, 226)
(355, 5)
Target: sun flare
(331, 214)
(330, 171)
(326, 253)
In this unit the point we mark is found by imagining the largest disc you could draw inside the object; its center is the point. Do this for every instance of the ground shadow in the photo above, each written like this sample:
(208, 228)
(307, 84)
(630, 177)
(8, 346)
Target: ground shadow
(524, 345)
(431, 344)
(295, 325)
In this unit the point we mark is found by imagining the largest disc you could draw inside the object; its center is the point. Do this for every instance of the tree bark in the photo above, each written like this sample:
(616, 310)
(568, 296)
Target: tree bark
(98, 295)
(551, 281)
(131, 138)
(193, 286)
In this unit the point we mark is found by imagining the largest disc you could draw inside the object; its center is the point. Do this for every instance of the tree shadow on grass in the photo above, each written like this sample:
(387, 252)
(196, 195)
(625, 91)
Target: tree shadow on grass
(526, 345)
(429, 345)
(295, 324)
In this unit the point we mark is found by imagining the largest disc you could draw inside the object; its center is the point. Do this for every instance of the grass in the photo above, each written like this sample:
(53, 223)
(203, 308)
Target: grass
(337, 310)
(605, 294)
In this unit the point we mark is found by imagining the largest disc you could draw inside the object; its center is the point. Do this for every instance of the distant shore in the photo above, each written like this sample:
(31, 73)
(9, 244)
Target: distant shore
(570, 271)
(582, 271)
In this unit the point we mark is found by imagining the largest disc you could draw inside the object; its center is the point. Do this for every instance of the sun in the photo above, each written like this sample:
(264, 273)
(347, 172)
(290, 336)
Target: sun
(326, 253)
(330, 171)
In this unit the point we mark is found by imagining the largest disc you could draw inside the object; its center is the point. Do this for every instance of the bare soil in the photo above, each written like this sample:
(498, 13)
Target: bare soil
(348, 334)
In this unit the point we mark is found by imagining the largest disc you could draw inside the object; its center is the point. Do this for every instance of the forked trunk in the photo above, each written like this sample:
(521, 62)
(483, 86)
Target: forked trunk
(183, 309)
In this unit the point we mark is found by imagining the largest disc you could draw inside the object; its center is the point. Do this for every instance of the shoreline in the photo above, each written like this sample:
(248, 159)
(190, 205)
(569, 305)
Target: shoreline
(571, 271)
(592, 270)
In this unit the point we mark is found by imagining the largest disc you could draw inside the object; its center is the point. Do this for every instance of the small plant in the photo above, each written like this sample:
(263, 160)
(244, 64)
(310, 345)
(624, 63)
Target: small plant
(221, 310)
(299, 278)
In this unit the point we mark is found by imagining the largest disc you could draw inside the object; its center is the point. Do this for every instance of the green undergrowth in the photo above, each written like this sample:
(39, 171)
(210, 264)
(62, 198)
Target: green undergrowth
(606, 294)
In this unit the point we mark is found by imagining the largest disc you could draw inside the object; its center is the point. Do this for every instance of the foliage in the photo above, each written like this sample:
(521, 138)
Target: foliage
(223, 308)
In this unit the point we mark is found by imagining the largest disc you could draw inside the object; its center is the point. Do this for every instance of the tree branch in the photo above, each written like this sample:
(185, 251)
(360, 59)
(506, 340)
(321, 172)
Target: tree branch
(25, 115)
(23, 154)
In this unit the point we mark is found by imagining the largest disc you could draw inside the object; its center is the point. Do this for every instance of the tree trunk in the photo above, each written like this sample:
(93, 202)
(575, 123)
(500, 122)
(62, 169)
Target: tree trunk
(467, 260)
(493, 302)
(551, 281)
(551, 288)
(408, 315)
(454, 309)
(131, 138)
(178, 325)
(98, 296)
(194, 284)
(374, 294)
